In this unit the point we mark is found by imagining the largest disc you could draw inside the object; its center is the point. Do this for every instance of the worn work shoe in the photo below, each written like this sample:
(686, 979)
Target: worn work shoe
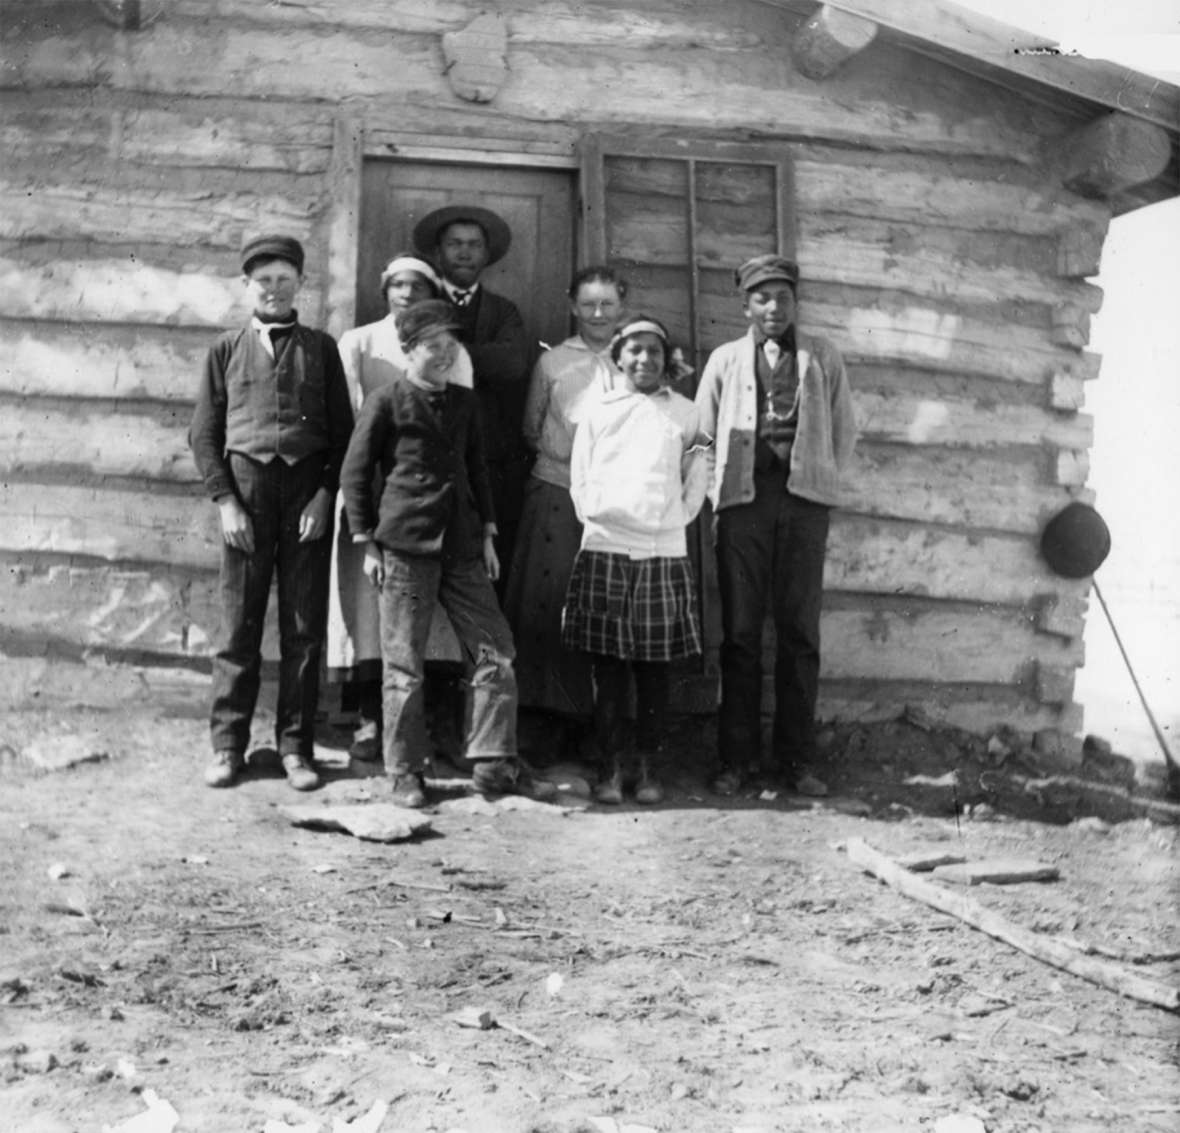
(610, 791)
(366, 743)
(510, 777)
(224, 769)
(650, 790)
(727, 783)
(300, 772)
(810, 787)
(408, 789)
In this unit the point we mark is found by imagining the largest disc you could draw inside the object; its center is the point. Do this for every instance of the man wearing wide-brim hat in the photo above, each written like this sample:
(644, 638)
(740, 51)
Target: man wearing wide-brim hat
(463, 240)
(778, 406)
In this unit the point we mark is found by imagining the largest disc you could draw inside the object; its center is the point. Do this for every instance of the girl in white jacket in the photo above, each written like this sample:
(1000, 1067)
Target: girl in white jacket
(638, 475)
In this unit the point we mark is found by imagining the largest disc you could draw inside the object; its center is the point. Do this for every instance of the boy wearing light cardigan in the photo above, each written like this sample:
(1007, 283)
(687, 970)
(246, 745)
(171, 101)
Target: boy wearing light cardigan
(778, 405)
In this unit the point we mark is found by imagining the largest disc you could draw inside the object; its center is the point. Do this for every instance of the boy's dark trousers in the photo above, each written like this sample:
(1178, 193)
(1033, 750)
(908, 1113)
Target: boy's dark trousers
(771, 549)
(274, 494)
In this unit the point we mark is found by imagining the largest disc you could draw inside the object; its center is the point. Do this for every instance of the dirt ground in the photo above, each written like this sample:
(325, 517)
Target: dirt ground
(706, 965)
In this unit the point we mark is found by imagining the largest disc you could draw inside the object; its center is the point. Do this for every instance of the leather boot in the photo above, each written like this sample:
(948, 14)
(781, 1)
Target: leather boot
(650, 790)
(610, 789)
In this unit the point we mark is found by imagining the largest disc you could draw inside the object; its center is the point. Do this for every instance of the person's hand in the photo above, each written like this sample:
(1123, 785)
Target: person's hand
(491, 561)
(237, 529)
(374, 565)
(315, 519)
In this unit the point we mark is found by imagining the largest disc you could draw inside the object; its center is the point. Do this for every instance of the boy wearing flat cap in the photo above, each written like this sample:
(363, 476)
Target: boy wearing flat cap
(429, 537)
(778, 406)
(269, 431)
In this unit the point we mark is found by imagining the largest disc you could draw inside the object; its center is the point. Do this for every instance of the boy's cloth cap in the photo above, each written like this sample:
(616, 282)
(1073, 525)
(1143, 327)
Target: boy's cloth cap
(763, 269)
(272, 248)
(428, 317)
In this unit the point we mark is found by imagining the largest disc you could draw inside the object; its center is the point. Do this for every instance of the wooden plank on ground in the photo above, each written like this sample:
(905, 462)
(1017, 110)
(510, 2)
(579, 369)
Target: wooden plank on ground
(1047, 949)
(996, 871)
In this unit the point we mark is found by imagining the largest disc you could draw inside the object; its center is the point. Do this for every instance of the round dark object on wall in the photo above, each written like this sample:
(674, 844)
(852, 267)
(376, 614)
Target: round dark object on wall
(1075, 541)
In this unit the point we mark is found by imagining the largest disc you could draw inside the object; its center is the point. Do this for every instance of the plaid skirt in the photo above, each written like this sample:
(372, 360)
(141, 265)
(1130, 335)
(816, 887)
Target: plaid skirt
(637, 609)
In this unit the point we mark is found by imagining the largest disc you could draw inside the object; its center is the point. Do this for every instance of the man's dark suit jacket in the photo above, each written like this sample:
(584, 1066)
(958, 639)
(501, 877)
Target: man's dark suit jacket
(435, 494)
(493, 332)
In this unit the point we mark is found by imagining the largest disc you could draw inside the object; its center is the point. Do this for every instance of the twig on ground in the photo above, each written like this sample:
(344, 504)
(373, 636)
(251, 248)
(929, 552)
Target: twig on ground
(522, 1033)
(401, 884)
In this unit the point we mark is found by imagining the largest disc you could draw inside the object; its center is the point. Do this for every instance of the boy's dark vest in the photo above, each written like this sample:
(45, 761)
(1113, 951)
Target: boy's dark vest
(275, 407)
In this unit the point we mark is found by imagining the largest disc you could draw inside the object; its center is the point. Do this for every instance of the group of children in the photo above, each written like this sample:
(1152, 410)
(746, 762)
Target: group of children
(624, 465)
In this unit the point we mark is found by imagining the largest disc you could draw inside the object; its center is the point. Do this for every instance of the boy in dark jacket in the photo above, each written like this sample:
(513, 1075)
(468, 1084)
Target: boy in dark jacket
(430, 538)
(269, 432)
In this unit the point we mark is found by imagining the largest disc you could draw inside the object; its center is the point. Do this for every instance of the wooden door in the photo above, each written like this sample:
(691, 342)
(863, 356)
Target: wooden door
(538, 205)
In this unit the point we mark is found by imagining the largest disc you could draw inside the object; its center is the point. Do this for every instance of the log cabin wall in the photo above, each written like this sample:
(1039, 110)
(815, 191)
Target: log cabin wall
(938, 249)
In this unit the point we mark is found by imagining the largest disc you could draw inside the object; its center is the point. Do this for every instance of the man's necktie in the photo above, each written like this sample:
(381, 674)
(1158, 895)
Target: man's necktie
(773, 353)
(461, 298)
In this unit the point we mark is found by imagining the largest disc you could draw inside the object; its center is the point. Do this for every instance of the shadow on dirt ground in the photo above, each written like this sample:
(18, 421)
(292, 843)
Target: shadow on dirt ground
(709, 964)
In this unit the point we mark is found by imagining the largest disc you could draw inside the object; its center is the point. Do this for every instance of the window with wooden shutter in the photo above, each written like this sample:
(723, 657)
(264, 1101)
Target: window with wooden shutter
(675, 218)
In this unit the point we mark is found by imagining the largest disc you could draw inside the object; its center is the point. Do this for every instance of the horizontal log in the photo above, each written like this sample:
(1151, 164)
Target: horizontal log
(981, 645)
(893, 557)
(980, 709)
(101, 361)
(942, 264)
(898, 105)
(659, 23)
(909, 418)
(917, 190)
(95, 441)
(173, 217)
(106, 290)
(56, 129)
(121, 525)
(958, 487)
(158, 610)
(52, 682)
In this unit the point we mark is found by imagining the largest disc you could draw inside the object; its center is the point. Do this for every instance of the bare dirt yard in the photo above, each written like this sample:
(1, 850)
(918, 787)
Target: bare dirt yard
(189, 959)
